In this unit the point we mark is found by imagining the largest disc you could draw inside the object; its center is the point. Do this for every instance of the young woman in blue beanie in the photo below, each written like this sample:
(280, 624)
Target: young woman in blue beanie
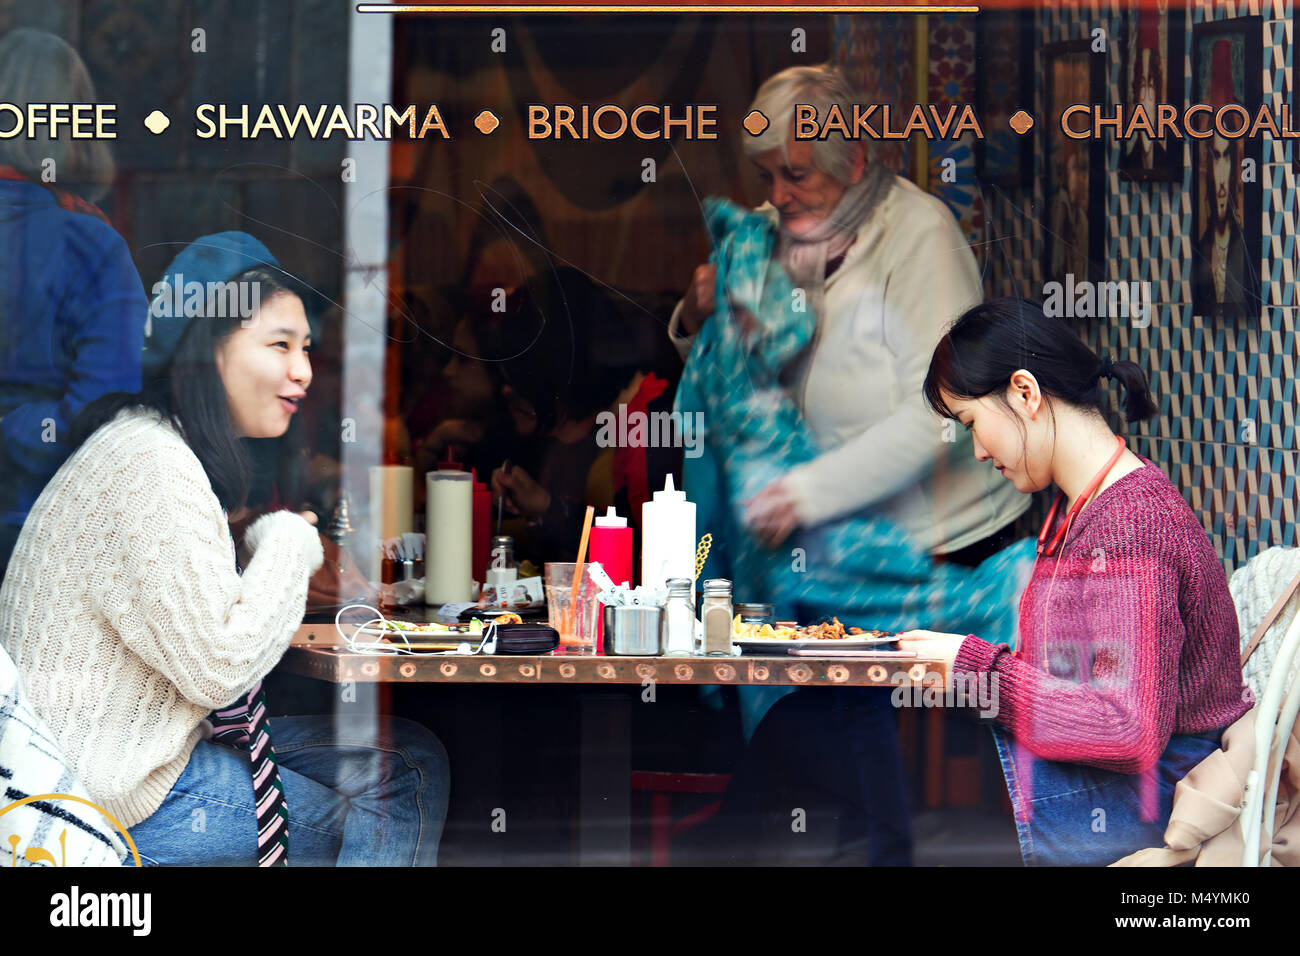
(142, 644)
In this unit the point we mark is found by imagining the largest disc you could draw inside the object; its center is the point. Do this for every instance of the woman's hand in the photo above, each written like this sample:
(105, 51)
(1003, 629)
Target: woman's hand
(697, 304)
(771, 514)
(523, 495)
(933, 646)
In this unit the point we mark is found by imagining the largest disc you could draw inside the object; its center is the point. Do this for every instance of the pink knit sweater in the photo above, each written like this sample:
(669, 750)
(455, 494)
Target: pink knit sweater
(1128, 637)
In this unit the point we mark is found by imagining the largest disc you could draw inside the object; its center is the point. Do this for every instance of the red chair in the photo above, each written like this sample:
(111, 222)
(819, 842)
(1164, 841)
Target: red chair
(662, 786)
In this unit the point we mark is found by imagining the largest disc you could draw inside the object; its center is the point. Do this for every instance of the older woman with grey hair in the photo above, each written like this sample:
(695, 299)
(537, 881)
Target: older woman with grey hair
(885, 269)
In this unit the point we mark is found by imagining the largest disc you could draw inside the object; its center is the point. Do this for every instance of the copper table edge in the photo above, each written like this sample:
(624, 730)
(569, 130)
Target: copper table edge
(336, 665)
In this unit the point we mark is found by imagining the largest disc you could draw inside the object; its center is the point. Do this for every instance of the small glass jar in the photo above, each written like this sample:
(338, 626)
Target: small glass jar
(501, 573)
(716, 614)
(752, 613)
(679, 619)
(503, 551)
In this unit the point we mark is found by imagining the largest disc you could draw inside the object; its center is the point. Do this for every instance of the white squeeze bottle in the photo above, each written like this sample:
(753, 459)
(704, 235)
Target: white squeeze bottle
(667, 537)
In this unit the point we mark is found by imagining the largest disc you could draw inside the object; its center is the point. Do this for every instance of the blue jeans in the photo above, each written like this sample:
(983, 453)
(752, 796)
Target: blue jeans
(355, 798)
(1068, 814)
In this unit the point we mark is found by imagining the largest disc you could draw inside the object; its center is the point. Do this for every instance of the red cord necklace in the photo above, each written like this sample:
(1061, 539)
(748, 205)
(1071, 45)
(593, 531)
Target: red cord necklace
(1079, 502)
(1050, 548)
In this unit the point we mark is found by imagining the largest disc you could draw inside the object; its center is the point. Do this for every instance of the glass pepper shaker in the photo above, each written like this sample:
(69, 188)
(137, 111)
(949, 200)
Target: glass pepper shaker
(716, 613)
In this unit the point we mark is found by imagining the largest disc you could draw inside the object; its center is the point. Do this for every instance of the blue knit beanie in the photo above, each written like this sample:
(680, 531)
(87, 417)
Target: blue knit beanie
(209, 259)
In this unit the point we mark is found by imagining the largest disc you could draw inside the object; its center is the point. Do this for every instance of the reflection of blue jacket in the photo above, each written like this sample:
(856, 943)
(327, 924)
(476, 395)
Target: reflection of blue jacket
(72, 313)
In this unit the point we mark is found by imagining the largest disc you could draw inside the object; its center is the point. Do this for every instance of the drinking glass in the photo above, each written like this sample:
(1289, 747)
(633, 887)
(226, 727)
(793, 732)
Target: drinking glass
(574, 619)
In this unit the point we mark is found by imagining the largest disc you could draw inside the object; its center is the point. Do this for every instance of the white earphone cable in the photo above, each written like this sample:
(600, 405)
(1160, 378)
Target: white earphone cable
(487, 643)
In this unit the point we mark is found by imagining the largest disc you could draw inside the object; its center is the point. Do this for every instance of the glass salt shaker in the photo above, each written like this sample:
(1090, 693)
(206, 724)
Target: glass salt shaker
(502, 570)
(679, 619)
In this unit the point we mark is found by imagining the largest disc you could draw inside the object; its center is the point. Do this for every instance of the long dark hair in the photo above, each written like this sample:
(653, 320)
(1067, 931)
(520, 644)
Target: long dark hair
(989, 343)
(190, 395)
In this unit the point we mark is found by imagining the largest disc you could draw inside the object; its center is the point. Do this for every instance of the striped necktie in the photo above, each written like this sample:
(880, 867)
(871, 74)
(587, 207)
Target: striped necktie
(243, 725)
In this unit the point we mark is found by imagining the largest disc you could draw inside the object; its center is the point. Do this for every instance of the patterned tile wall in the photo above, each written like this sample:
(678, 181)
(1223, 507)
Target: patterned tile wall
(1226, 433)
(876, 53)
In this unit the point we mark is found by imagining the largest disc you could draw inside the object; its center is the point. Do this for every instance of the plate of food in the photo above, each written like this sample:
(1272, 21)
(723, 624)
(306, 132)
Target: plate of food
(413, 631)
(755, 638)
(488, 613)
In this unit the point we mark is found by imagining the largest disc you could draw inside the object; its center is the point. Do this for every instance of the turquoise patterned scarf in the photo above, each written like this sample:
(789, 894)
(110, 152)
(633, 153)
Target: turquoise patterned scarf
(860, 568)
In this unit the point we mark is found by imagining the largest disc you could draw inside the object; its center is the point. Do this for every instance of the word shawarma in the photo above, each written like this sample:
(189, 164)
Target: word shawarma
(277, 121)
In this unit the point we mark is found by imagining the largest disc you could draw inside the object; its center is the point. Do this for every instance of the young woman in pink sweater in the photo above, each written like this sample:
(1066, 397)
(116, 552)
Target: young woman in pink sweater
(1126, 670)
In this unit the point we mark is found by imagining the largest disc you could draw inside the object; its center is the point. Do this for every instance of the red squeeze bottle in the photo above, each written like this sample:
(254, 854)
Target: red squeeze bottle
(482, 534)
(611, 545)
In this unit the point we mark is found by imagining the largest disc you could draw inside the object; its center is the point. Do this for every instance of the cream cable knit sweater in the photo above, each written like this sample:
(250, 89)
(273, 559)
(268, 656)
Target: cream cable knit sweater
(125, 615)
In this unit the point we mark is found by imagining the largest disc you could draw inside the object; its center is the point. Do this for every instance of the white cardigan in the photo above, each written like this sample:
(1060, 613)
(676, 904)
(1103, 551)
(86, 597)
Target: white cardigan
(125, 614)
(908, 274)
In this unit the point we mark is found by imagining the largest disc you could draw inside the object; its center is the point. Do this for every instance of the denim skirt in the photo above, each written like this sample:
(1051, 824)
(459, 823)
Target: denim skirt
(1068, 814)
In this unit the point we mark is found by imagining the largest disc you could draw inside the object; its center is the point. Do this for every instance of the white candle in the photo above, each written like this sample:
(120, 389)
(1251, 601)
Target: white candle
(448, 542)
(391, 507)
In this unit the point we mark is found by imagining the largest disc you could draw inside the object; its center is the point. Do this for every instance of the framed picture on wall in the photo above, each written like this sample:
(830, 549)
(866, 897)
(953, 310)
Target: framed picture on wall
(1152, 73)
(1074, 226)
(1226, 234)
(1004, 52)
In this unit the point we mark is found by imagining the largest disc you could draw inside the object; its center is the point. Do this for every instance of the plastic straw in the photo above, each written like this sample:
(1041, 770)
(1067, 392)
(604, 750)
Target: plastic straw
(577, 568)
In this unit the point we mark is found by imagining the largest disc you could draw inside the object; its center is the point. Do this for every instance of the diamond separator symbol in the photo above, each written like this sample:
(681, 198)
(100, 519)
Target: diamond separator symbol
(755, 123)
(157, 122)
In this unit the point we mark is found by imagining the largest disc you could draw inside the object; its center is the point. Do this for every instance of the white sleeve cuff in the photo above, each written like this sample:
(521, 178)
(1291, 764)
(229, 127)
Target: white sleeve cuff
(295, 528)
(681, 341)
(798, 482)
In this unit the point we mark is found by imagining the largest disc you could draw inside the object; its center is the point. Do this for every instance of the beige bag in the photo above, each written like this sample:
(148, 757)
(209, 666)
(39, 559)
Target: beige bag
(1205, 824)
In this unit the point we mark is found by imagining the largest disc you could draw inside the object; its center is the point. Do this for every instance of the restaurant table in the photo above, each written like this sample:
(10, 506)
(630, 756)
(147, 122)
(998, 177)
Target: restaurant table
(604, 758)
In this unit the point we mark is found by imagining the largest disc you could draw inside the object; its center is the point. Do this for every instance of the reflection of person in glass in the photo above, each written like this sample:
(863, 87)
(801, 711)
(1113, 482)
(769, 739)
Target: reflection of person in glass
(1148, 80)
(554, 387)
(72, 308)
(1221, 247)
